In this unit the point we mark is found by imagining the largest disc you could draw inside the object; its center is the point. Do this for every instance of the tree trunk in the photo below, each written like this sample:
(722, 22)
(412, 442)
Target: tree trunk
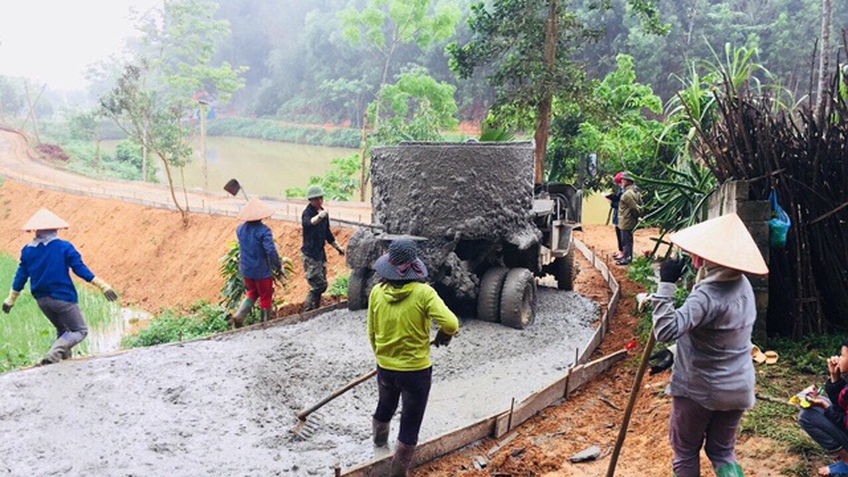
(824, 58)
(543, 121)
(183, 212)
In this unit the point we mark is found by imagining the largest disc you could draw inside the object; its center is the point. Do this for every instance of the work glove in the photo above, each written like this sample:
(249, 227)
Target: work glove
(672, 269)
(661, 360)
(339, 248)
(105, 288)
(442, 339)
(10, 300)
(321, 216)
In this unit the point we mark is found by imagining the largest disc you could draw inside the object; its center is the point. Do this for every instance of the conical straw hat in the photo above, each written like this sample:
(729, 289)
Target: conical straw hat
(255, 209)
(724, 241)
(45, 220)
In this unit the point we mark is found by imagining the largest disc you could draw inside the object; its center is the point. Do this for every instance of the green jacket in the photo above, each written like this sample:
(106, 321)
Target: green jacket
(629, 208)
(399, 321)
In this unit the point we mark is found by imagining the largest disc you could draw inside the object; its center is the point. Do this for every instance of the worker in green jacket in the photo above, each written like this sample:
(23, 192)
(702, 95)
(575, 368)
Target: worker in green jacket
(400, 311)
(629, 213)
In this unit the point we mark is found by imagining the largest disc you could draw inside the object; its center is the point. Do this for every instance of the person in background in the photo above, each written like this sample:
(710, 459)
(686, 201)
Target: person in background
(629, 212)
(825, 419)
(316, 232)
(258, 261)
(615, 198)
(400, 311)
(713, 377)
(45, 263)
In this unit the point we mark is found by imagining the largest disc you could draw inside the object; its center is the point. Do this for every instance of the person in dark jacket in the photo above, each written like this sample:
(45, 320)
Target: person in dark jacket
(615, 199)
(258, 261)
(45, 263)
(629, 213)
(825, 421)
(316, 233)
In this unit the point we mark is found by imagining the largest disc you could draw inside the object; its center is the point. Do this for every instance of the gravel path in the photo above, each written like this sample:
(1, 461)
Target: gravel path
(225, 406)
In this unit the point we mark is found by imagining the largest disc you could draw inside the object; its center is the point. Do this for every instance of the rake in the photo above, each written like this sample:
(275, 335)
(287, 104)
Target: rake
(304, 429)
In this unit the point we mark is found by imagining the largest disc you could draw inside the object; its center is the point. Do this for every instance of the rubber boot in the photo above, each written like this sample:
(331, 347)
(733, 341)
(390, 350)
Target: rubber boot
(57, 352)
(237, 319)
(402, 460)
(267, 315)
(731, 469)
(380, 432)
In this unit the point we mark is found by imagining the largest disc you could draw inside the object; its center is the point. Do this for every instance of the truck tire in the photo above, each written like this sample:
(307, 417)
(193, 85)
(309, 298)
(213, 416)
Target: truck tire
(518, 299)
(564, 271)
(357, 287)
(489, 298)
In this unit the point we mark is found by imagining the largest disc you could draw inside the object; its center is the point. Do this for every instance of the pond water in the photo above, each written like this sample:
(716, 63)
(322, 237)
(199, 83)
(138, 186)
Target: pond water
(263, 168)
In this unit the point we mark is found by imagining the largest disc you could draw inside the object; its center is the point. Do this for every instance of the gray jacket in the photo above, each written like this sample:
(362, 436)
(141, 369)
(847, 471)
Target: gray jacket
(713, 327)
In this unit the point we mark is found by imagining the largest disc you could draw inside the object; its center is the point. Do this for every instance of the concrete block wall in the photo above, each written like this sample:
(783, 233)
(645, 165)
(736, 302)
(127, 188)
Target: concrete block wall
(734, 197)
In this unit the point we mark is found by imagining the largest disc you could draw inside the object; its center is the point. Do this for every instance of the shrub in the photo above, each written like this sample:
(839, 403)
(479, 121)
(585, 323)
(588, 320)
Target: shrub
(200, 320)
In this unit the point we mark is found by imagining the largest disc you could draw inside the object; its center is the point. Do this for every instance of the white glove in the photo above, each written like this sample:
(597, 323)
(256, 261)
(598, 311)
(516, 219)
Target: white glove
(321, 216)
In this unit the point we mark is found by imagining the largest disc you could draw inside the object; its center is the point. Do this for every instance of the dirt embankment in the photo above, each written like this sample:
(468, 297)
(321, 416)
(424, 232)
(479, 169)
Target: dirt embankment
(151, 259)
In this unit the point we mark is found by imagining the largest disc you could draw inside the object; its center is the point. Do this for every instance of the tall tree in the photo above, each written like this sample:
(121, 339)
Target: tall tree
(531, 44)
(158, 91)
(384, 26)
(824, 56)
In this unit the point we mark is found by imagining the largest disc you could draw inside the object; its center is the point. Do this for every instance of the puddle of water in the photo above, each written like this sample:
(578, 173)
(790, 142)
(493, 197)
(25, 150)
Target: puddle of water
(107, 337)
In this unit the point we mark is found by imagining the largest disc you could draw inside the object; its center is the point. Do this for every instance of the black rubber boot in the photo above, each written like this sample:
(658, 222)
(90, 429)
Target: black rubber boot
(267, 315)
(380, 432)
(237, 319)
(402, 460)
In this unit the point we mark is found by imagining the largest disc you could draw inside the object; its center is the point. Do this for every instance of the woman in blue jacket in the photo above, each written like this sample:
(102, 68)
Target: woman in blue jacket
(45, 263)
(258, 260)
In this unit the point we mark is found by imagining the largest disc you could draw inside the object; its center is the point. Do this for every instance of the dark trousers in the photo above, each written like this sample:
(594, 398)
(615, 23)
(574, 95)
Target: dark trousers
(826, 434)
(316, 276)
(693, 425)
(627, 244)
(414, 388)
(618, 238)
(69, 322)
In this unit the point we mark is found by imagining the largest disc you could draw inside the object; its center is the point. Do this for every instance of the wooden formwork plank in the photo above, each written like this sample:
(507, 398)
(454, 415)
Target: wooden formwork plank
(431, 449)
(529, 407)
(586, 372)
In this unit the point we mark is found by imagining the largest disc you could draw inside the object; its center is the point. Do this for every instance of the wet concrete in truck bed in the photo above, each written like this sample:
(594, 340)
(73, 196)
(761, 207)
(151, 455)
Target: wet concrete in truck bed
(225, 406)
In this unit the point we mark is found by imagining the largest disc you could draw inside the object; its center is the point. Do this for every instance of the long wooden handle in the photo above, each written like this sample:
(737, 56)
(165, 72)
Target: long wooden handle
(370, 374)
(634, 393)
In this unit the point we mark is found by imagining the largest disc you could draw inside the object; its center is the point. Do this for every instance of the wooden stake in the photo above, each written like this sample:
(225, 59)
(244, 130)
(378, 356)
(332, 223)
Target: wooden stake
(634, 393)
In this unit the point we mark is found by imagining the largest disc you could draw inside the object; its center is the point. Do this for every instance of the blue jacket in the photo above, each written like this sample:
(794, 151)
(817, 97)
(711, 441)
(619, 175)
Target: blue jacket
(258, 253)
(46, 266)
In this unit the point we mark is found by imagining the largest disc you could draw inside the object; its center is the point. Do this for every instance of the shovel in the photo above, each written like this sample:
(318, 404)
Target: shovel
(305, 430)
(233, 187)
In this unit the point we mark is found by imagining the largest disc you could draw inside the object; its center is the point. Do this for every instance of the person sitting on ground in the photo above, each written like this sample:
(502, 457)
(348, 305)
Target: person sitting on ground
(713, 378)
(45, 263)
(400, 310)
(629, 212)
(259, 260)
(825, 419)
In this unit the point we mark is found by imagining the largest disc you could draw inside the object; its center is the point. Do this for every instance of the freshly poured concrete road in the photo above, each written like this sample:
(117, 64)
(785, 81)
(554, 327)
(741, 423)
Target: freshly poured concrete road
(225, 406)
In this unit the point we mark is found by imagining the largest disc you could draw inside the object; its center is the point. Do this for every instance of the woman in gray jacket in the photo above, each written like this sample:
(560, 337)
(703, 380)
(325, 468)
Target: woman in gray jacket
(713, 376)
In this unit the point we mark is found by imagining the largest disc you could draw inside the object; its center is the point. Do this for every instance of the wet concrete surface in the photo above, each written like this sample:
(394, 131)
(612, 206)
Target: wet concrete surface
(225, 406)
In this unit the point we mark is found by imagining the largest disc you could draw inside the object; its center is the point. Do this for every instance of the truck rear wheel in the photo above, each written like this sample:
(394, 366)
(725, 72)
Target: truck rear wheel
(518, 299)
(356, 289)
(564, 271)
(489, 298)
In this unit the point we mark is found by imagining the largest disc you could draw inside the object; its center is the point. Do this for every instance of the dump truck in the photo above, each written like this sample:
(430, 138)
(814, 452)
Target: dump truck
(484, 229)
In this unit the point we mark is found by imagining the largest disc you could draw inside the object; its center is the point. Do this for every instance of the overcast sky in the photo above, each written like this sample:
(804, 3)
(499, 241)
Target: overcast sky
(53, 41)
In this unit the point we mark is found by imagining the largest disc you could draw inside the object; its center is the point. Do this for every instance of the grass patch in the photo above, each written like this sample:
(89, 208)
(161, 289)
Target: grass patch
(198, 321)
